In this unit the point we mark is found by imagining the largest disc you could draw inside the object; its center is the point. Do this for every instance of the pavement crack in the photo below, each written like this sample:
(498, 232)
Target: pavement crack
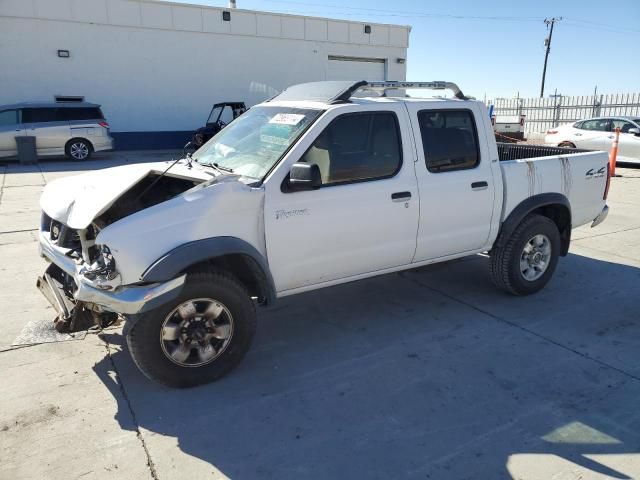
(152, 468)
(19, 231)
(524, 329)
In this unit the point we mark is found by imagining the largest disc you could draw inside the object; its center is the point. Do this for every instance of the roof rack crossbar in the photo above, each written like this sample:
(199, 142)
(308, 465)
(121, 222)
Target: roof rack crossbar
(436, 85)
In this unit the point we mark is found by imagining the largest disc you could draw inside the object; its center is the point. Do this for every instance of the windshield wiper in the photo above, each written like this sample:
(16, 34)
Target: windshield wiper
(218, 167)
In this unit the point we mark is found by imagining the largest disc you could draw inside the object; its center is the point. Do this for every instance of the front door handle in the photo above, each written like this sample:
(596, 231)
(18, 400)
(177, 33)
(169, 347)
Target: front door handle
(401, 196)
(479, 185)
(578, 134)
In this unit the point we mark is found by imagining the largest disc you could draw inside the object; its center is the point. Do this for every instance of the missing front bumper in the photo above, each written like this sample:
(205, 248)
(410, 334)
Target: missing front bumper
(128, 300)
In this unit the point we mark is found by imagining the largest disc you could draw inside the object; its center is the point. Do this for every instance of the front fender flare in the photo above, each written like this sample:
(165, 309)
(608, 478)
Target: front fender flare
(176, 261)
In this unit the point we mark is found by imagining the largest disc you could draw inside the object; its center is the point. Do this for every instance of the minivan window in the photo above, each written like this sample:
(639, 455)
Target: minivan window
(86, 113)
(357, 147)
(37, 115)
(8, 117)
(449, 140)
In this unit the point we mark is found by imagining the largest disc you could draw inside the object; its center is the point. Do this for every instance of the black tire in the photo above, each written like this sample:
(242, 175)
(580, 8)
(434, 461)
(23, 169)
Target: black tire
(78, 149)
(567, 145)
(144, 338)
(505, 267)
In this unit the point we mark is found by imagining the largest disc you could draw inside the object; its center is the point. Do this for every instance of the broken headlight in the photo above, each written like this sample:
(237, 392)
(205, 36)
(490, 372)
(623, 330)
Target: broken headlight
(103, 268)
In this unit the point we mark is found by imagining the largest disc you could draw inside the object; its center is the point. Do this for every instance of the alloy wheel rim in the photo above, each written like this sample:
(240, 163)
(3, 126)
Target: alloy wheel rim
(196, 332)
(79, 151)
(535, 257)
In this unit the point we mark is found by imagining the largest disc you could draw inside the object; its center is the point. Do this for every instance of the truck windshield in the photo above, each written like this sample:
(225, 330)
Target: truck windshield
(256, 140)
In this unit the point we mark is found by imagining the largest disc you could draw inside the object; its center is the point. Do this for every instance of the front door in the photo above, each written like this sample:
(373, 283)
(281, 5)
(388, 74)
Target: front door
(628, 143)
(363, 218)
(455, 180)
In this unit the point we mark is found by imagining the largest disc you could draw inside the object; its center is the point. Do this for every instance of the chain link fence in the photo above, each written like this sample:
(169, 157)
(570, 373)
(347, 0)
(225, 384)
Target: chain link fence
(545, 113)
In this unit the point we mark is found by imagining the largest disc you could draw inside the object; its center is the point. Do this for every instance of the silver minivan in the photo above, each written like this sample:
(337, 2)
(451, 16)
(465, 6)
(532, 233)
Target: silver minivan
(74, 129)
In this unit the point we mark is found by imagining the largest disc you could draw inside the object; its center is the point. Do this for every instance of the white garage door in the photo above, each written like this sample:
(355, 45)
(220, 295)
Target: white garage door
(355, 68)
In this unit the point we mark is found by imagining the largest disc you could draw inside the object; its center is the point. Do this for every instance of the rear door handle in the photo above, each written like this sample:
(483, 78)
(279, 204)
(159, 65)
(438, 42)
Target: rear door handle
(401, 196)
(479, 185)
(578, 134)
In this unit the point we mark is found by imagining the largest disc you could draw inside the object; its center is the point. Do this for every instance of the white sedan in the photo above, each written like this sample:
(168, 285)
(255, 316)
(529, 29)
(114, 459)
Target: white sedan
(598, 134)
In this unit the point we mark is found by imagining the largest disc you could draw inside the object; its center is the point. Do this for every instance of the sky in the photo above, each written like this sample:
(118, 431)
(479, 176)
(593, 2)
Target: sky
(495, 48)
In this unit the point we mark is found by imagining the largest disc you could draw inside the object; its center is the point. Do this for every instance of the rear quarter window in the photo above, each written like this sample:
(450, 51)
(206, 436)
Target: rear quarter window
(72, 114)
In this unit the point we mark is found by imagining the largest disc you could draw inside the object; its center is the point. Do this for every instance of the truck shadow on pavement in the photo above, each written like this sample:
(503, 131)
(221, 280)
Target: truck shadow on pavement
(430, 373)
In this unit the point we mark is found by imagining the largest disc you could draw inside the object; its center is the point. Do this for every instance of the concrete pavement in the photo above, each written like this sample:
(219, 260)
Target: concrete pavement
(430, 373)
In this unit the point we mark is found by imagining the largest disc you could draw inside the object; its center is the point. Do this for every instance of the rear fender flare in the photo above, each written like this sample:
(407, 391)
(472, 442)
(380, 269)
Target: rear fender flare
(539, 202)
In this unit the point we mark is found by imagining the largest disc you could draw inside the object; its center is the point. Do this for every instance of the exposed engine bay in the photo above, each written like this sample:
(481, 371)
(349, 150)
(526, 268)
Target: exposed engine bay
(95, 263)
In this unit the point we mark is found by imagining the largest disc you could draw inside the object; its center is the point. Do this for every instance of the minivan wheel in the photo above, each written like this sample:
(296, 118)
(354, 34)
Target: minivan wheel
(198, 337)
(78, 149)
(527, 260)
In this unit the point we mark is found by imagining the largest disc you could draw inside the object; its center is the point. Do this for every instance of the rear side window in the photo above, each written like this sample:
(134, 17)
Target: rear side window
(357, 147)
(8, 117)
(601, 125)
(449, 139)
(92, 113)
(38, 115)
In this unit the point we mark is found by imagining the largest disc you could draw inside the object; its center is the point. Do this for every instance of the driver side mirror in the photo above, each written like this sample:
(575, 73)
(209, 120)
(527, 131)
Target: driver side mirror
(304, 176)
(634, 131)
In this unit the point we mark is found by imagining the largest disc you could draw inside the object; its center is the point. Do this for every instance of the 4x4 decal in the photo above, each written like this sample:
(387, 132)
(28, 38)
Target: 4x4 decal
(591, 173)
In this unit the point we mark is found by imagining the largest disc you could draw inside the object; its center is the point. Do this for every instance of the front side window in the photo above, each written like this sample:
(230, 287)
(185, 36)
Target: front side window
(623, 125)
(449, 139)
(256, 140)
(8, 117)
(598, 124)
(357, 147)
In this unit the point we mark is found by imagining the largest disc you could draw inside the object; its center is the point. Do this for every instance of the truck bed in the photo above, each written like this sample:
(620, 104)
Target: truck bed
(579, 175)
(512, 151)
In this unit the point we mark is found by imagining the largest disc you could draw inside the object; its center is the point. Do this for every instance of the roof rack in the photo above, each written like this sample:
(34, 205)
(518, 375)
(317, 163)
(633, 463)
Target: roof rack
(436, 85)
(341, 91)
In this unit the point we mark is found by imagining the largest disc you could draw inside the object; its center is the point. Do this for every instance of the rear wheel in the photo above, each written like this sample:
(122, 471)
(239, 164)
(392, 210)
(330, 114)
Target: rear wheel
(78, 149)
(527, 260)
(197, 338)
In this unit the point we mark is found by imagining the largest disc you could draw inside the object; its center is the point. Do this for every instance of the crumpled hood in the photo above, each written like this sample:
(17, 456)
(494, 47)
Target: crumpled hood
(77, 200)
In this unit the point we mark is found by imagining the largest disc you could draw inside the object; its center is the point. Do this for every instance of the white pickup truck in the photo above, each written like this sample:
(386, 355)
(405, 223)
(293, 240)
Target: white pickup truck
(312, 188)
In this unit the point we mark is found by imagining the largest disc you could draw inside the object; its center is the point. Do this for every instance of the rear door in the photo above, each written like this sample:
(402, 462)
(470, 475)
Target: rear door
(363, 218)
(83, 122)
(49, 127)
(455, 175)
(591, 134)
(10, 128)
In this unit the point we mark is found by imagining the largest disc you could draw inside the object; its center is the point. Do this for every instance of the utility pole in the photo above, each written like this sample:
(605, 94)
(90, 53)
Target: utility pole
(547, 43)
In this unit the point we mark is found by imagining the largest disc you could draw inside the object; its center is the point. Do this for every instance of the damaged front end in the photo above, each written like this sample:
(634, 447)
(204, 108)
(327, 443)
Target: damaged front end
(82, 283)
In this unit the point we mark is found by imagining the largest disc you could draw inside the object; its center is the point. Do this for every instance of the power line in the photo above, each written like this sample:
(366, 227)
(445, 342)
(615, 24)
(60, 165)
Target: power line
(401, 13)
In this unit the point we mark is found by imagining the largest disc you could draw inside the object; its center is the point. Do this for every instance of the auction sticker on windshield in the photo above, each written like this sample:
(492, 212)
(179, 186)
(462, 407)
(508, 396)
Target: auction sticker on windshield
(286, 118)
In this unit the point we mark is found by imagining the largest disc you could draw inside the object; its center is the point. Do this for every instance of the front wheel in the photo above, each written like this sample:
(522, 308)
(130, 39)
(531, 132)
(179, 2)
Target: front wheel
(527, 260)
(198, 337)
